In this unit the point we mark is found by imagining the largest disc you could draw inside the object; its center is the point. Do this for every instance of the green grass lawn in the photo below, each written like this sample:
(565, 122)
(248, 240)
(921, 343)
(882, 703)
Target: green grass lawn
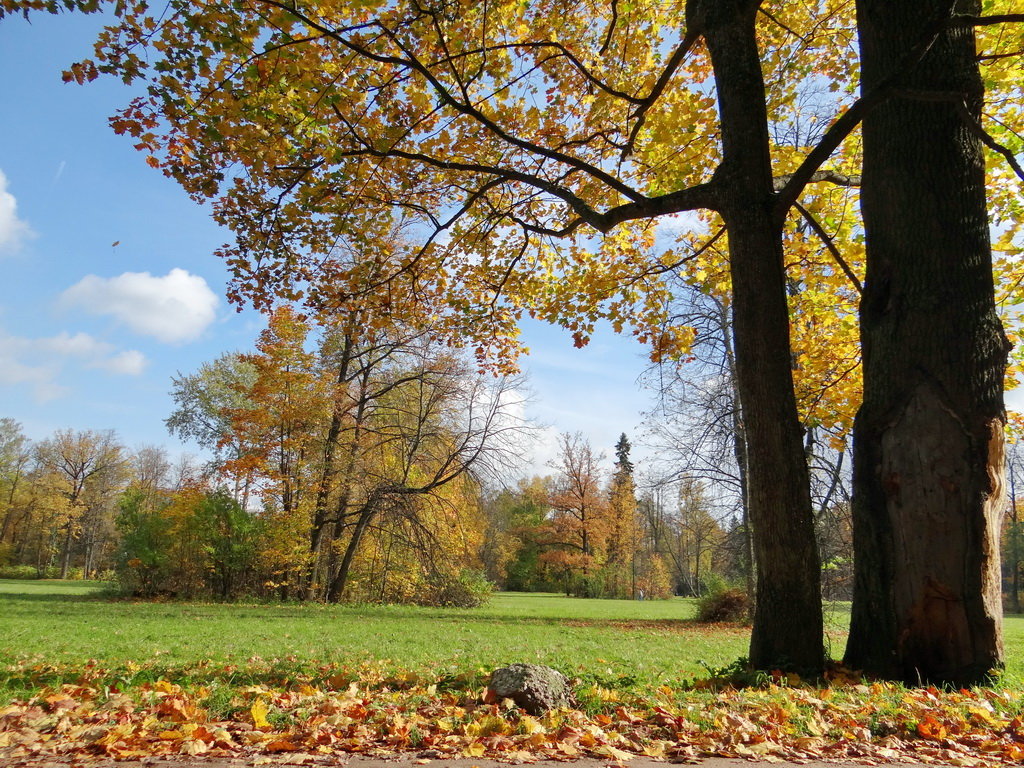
(57, 628)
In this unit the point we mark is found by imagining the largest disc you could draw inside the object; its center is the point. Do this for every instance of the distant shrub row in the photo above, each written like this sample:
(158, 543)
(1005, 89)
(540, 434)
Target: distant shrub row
(51, 572)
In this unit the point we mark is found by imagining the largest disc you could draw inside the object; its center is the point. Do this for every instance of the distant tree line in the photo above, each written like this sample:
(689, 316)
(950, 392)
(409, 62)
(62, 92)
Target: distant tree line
(347, 467)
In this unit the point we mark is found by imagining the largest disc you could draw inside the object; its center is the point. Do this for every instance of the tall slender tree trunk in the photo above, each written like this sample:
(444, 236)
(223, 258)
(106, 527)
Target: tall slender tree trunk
(788, 630)
(1014, 547)
(739, 447)
(365, 516)
(65, 554)
(1012, 552)
(928, 440)
(322, 525)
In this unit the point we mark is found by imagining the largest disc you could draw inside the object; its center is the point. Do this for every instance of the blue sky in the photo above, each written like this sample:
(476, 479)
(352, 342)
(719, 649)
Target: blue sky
(91, 332)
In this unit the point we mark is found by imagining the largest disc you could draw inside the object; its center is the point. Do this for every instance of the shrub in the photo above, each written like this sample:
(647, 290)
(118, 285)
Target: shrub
(727, 604)
(18, 572)
(470, 589)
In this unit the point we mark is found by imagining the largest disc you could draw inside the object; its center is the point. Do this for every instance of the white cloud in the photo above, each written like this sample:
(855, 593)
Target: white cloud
(80, 345)
(39, 362)
(131, 362)
(177, 307)
(13, 231)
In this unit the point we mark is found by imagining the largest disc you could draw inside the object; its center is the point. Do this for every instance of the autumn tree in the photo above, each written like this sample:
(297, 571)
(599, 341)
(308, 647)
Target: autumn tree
(204, 404)
(698, 535)
(145, 547)
(192, 541)
(231, 537)
(514, 536)
(580, 521)
(437, 428)
(365, 446)
(434, 112)
(150, 467)
(15, 462)
(88, 468)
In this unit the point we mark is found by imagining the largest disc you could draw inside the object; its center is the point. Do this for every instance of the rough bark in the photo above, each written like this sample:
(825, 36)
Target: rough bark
(787, 629)
(928, 444)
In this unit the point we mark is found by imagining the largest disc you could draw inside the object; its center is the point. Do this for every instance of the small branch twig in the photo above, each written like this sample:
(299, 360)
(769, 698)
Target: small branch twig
(831, 246)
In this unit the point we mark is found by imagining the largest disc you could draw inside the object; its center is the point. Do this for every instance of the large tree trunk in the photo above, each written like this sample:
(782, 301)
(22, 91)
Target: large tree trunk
(928, 440)
(787, 618)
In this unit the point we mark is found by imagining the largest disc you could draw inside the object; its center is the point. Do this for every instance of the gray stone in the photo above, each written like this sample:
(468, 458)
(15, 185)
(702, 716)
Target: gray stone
(533, 687)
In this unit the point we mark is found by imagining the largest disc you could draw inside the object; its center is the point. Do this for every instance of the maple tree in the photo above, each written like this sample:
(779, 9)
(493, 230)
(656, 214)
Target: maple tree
(449, 101)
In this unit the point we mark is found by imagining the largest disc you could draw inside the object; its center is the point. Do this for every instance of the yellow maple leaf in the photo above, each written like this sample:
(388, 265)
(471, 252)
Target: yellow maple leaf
(258, 710)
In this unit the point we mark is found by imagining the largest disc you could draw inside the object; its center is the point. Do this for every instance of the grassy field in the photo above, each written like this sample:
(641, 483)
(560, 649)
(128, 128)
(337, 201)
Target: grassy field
(49, 630)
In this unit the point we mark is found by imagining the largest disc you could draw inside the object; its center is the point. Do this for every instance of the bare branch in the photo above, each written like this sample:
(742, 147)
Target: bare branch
(640, 114)
(849, 120)
(831, 246)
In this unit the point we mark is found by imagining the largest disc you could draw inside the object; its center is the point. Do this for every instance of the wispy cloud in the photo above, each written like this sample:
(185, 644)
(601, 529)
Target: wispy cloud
(39, 362)
(13, 231)
(174, 308)
(131, 362)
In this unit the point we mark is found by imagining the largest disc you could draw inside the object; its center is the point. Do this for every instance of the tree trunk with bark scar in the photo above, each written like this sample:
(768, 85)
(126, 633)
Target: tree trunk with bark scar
(928, 440)
(787, 631)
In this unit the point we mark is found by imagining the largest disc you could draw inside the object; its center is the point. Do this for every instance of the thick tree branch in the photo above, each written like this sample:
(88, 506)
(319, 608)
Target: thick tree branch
(997, 56)
(850, 119)
(611, 27)
(834, 136)
(834, 177)
(965, 20)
